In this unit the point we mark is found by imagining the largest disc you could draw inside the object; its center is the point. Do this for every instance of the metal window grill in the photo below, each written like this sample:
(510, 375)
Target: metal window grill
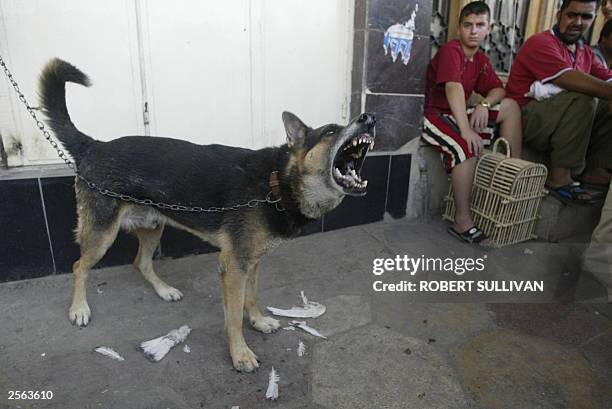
(509, 21)
(439, 24)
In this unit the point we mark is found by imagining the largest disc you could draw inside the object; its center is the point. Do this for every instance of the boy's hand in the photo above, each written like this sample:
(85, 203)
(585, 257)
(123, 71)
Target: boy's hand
(479, 119)
(474, 141)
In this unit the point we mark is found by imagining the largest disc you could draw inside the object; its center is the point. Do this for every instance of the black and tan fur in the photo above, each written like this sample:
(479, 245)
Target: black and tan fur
(178, 172)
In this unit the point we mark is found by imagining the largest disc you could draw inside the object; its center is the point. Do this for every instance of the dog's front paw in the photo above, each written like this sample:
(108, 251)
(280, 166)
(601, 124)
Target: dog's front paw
(79, 314)
(168, 293)
(244, 359)
(266, 325)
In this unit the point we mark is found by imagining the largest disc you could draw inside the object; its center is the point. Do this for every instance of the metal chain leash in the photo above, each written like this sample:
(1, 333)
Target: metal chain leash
(127, 198)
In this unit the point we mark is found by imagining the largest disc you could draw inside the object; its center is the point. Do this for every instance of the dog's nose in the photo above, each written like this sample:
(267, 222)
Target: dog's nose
(368, 119)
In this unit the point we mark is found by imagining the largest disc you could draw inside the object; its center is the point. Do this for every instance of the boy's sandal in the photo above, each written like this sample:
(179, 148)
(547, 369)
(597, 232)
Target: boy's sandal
(574, 193)
(473, 235)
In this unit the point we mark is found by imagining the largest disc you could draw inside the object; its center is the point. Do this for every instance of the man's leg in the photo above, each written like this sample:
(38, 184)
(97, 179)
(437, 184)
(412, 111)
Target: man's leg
(561, 127)
(510, 126)
(462, 177)
(597, 258)
(599, 153)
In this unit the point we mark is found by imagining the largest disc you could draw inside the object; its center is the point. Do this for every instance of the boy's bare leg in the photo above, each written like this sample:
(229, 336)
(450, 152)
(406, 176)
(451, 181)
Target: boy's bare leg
(510, 126)
(462, 177)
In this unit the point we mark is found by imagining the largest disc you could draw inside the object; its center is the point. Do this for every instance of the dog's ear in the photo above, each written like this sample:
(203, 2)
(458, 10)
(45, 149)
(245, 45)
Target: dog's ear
(296, 130)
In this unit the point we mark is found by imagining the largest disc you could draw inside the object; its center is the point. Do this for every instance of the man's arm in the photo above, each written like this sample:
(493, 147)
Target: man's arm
(495, 96)
(583, 83)
(480, 116)
(455, 96)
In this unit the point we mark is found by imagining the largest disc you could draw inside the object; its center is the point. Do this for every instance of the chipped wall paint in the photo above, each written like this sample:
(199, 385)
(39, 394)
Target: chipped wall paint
(3, 156)
(12, 149)
(398, 38)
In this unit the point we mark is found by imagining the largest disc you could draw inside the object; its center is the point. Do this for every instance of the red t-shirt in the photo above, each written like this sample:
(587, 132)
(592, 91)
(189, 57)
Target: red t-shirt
(451, 64)
(545, 57)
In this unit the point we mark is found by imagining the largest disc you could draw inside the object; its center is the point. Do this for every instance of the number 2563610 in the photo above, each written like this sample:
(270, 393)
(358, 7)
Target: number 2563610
(30, 395)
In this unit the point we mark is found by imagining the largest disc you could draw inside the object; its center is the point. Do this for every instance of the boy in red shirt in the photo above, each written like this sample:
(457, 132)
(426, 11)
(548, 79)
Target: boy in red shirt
(565, 94)
(460, 134)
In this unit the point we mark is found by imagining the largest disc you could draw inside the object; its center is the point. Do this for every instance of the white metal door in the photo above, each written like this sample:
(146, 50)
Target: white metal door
(223, 72)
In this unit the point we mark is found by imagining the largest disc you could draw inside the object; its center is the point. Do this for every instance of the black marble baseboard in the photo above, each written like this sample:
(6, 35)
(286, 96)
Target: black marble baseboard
(38, 218)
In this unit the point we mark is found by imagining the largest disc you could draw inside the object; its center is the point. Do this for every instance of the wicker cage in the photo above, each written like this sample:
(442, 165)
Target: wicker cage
(506, 196)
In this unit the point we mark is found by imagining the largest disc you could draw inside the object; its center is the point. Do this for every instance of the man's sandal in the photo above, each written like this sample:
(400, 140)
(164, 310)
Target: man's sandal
(473, 235)
(574, 193)
(595, 186)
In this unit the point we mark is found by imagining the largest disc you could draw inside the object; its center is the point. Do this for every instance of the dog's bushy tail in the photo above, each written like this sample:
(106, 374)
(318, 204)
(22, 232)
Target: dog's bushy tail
(52, 92)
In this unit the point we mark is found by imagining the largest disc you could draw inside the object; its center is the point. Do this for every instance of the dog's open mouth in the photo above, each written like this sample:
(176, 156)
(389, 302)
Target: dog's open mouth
(348, 162)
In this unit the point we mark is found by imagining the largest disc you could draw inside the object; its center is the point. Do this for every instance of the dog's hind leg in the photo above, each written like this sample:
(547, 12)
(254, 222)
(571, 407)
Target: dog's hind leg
(94, 242)
(148, 240)
(256, 318)
(234, 279)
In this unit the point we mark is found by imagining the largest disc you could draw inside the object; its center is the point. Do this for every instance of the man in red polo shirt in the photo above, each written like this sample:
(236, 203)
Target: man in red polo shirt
(460, 134)
(565, 95)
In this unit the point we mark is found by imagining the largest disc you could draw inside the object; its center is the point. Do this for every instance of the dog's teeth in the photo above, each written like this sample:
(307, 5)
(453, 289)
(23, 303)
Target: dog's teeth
(364, 183)
(372, 145)
(354, 142)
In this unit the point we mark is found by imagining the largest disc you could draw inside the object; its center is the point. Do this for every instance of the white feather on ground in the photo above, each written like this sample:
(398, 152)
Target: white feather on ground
(310, 330)
(309, 309)
(301, 349)
(155, 349)
(109, 352)
(272, 392)
(312, 310)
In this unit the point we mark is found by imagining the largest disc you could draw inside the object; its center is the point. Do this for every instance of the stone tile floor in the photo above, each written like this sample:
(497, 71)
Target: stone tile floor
(384, 350)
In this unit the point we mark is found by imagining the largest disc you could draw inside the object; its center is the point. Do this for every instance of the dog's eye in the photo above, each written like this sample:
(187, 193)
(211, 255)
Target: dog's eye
(329, 132)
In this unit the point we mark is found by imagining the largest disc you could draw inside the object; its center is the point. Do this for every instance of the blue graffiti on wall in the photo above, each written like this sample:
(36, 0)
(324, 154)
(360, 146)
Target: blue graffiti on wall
(398, 38)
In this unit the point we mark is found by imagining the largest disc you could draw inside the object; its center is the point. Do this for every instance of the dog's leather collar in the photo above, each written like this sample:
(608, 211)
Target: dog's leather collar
(275, 185)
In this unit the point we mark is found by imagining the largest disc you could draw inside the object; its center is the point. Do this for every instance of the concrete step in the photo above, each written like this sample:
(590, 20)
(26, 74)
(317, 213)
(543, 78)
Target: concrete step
(560, 221)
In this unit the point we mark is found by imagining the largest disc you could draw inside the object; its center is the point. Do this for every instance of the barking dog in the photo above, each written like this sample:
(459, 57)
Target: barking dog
(310, 175)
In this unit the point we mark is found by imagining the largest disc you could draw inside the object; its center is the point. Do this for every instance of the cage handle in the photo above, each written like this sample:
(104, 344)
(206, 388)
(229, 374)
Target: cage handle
(504, 142)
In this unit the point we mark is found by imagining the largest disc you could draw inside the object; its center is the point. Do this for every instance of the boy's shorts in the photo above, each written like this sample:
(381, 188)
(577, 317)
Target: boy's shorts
(441, 131)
